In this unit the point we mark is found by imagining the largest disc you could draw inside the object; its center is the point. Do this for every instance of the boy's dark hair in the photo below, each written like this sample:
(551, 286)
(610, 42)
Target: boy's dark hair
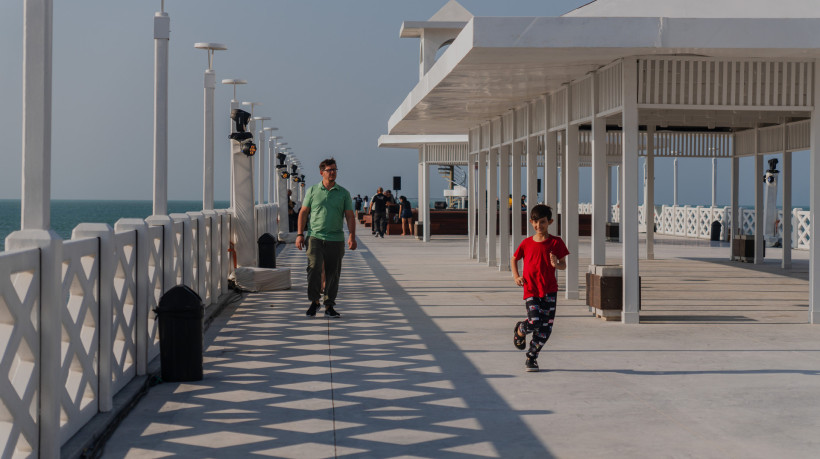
(328, 162)
(540, 211)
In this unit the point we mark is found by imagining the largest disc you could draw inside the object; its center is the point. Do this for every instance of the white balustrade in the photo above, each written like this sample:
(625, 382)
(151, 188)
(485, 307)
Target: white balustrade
(111, 282)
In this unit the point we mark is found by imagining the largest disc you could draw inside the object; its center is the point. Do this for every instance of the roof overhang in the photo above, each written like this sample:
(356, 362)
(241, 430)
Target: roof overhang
(497, 64)
(414, 29)
(416, 141)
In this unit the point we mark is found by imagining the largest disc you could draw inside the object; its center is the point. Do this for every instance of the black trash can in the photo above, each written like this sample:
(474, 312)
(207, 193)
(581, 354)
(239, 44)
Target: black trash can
(716, 229)
(267, 251)
(180, 313)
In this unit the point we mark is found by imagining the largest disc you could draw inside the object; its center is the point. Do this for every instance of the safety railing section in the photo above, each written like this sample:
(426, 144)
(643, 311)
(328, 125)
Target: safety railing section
(79, 400)
(20, 345)
(111, 280)
(696, 221)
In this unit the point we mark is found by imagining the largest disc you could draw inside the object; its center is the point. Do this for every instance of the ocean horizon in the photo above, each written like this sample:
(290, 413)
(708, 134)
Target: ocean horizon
(66, 214)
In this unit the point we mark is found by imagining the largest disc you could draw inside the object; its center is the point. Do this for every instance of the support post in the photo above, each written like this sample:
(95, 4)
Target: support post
(470, 203)
(482, 206)
(649, 205)
(786, 262)
(599, 182)
(493, 207)
(629, 204)
(208, 142)
(570, 210)
(814, 195)
(758, 184)
(505, 207)
(517, 150)
(426, 203)
(162, 31)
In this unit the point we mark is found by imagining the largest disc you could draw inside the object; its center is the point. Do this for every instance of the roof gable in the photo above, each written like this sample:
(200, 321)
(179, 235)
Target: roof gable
(452, 11)
(700, 9)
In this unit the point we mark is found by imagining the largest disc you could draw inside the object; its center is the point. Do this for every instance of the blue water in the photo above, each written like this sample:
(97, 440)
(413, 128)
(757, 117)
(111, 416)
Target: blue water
(67, 214)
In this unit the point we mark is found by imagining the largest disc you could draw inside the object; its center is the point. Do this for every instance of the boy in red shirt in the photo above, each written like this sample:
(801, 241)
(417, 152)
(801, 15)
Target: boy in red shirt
(542, 254)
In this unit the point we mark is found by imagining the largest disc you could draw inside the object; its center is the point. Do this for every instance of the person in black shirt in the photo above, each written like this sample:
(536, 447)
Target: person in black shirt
(378, 209)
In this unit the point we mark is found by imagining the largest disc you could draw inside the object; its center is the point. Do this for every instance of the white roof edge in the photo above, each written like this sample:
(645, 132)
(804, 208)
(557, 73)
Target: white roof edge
(412, 29)
(415, 141)
(443, 66)
(699, 9)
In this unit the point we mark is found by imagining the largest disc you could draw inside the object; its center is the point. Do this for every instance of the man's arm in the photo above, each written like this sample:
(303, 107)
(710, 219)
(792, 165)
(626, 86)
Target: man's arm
(301, 222)
(351, 226)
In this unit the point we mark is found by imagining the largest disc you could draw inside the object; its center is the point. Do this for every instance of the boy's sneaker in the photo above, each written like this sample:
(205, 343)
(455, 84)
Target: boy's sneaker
(330, 312)
(531, 364)
(311, 312)
(519, 341)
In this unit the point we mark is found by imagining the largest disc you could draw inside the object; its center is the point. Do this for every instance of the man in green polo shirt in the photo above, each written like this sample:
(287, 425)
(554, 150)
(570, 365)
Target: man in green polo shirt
(326, 204)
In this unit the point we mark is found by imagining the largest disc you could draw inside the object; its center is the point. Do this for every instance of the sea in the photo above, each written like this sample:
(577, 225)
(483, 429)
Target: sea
(67, 214)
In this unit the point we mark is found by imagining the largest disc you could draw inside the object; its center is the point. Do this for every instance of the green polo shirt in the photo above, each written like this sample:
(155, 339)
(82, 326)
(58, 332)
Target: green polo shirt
(327, 211)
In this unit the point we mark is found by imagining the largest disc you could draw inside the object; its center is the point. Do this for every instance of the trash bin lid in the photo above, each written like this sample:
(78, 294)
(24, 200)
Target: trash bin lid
(266, 238)
(179, 298)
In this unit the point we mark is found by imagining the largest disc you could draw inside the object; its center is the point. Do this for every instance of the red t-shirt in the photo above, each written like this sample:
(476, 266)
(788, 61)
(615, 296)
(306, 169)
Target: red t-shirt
(539, 274)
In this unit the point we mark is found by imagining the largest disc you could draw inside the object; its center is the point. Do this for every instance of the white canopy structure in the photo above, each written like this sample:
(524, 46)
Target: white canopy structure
(611, 81)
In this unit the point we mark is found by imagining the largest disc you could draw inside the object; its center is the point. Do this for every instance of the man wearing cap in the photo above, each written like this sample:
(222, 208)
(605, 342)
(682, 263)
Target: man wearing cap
(327, 205)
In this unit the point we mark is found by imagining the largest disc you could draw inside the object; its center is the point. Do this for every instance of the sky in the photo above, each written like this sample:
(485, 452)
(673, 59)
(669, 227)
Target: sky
(328, 73)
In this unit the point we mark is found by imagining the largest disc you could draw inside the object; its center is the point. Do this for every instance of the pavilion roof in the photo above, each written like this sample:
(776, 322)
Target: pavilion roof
(699, 9)
(498, 63)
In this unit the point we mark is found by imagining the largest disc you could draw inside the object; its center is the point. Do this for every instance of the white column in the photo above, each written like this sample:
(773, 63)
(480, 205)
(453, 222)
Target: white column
(599, 182)
(570, 210)
(504, 207)
(714, 182)
(208, 142)
(675, 182)
(426, 194)
(162, 30)
(814, 194)
(263, 165)
(629, 204)
(562, 203)
(734, 228)
(482, 206)
(492, 207)
(551, 171)
(786, 176)
(244, 222)
(517, 150)
(532, 178)
(471, 206)
(608, 192)
(282, 203)
(650, 192)
(758, 184)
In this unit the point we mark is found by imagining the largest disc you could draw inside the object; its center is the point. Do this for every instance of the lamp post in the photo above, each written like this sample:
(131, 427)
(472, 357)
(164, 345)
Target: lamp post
(260, 162)
(208, 126)
(252, 129)
(234, 104)
(162, 31)
(269, 162)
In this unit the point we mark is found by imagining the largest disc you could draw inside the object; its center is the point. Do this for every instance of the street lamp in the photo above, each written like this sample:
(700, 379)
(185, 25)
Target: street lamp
(261, 161)
(270, 159)
(234, 105)
(208, 135)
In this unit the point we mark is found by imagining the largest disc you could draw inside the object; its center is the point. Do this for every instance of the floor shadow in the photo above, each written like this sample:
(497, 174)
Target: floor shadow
(382, 381)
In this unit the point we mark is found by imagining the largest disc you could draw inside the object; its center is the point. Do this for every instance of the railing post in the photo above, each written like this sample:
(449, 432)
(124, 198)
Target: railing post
(199, 251)
(107, 266)
(186, 257)
(167, 225)
(141, 300)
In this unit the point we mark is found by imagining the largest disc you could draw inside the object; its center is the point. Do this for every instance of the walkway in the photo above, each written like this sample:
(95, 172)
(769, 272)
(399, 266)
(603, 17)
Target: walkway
(421, 364)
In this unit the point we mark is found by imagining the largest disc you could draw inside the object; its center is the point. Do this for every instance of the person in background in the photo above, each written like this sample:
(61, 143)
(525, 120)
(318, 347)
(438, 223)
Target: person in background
(357, 203)
(406, 215)
(378, 209)
(327, 205)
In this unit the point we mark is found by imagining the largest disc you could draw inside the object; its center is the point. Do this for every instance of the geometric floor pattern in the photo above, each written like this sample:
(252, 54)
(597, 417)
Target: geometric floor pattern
(278, 384)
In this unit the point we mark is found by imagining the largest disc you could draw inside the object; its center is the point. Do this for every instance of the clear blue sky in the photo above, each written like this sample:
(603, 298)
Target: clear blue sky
(329, 74)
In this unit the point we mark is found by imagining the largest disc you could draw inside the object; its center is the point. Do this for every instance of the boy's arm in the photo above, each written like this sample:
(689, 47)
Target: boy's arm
(519, 281)
(558, 263)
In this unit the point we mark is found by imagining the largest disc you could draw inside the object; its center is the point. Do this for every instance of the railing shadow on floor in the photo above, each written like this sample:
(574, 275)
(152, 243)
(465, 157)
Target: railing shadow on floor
(384, 380)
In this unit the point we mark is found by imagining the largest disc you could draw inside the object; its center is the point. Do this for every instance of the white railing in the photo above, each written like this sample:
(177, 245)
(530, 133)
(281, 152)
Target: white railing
(696, 221)
(111, 281)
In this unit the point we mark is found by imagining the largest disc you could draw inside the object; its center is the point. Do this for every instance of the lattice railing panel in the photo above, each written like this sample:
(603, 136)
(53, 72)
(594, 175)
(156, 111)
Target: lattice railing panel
(192, 257)
(124, 313)
(747, 221)
(80, 336)
(20, 347)
(801, 229)
(207, 234)
(154, 287)
(178, 253)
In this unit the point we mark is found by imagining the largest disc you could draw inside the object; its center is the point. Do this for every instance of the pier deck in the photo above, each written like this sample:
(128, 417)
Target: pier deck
(421, 364)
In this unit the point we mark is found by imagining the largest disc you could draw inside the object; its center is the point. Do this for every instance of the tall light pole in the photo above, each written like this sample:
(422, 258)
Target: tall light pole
(208, 126)
(234, 104)
(273, 148)
(162, 32)
(260, 152)
(268, 161)
(252, 129)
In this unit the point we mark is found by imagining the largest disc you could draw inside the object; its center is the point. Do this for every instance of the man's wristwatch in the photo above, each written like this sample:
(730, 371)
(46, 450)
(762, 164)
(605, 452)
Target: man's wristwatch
(300, 234)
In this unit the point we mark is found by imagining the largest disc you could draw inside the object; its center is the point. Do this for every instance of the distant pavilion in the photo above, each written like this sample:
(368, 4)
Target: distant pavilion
(605, 84)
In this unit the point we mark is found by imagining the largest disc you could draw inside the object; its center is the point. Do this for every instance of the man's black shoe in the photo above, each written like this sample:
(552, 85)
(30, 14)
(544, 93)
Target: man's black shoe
(311, 312)
(531, 364)
(330, 312)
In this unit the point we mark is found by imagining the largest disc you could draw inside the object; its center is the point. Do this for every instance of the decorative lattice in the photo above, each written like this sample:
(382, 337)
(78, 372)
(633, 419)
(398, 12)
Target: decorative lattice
(20, 347)
(154, 287)
(124, 314)
(79, 400)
